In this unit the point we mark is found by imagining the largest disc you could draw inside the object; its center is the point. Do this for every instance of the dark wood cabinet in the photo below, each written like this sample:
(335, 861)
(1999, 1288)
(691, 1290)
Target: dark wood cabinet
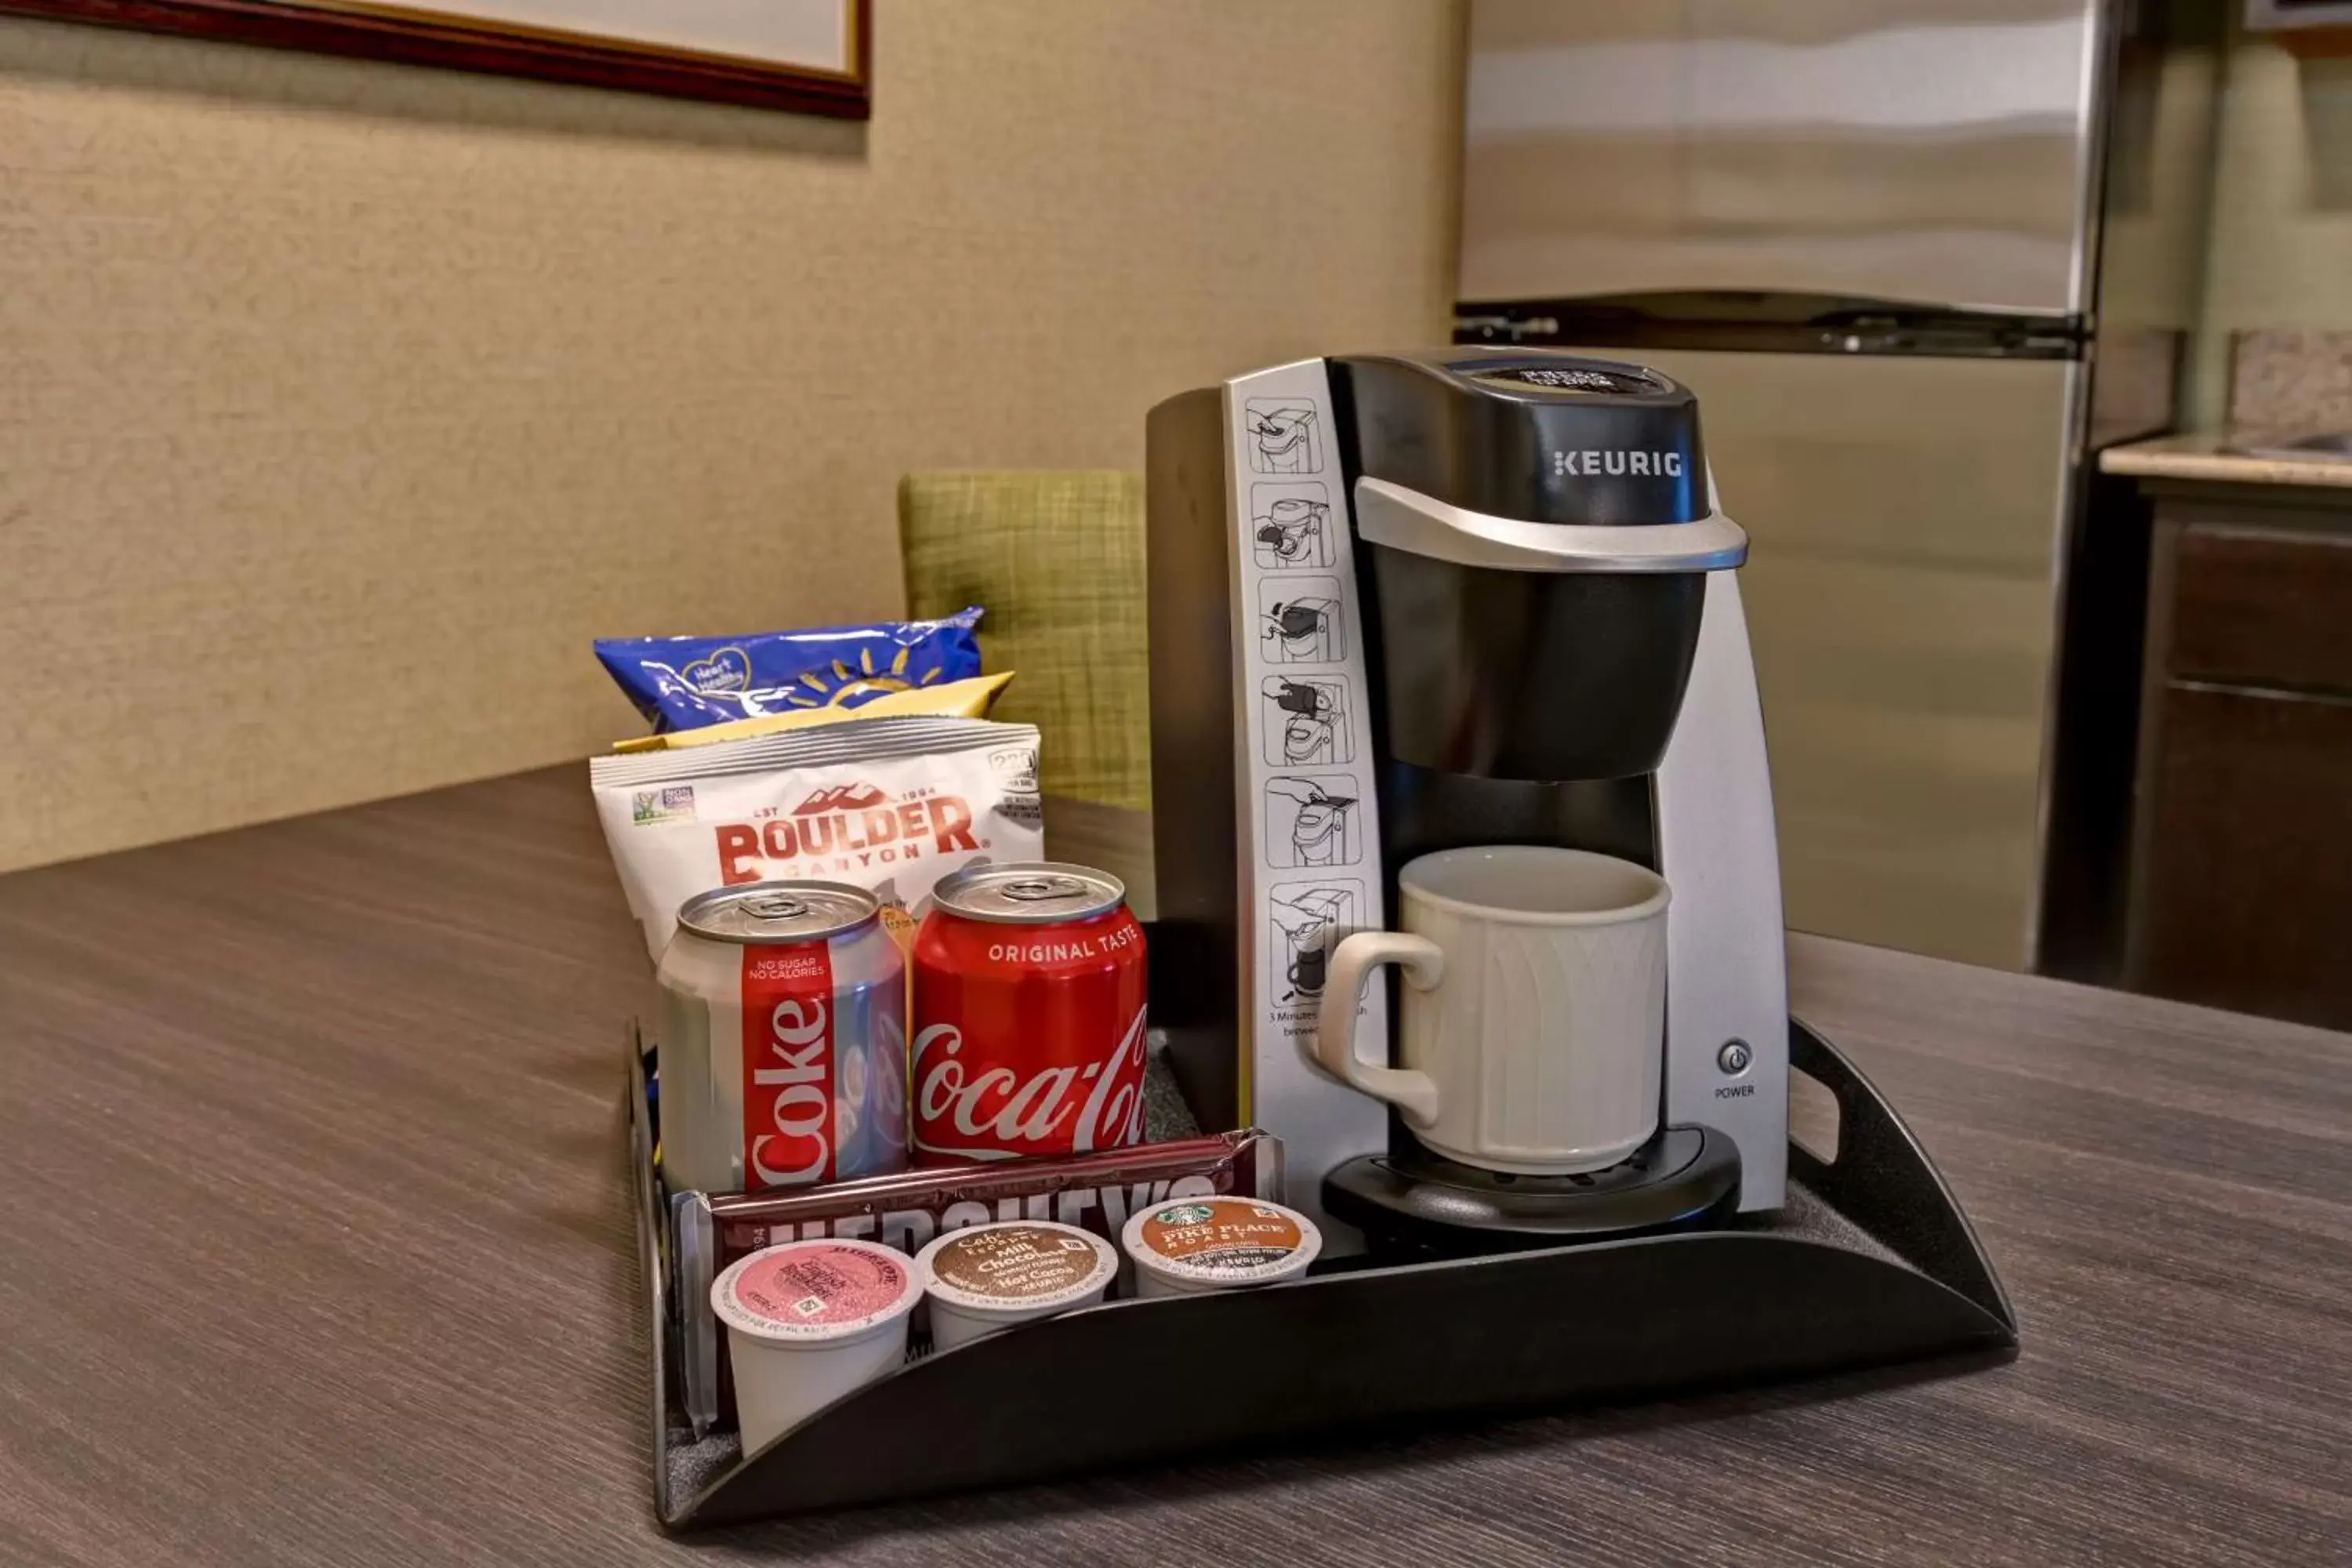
(2262, 606)
(2242, 866)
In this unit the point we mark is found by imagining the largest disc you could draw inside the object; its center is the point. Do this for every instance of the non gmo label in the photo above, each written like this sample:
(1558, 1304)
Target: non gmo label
(1226, 1234)
(1015, 1262)
(670, 803)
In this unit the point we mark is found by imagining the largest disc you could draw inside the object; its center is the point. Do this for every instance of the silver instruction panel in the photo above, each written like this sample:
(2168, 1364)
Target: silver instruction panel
(1307, 816)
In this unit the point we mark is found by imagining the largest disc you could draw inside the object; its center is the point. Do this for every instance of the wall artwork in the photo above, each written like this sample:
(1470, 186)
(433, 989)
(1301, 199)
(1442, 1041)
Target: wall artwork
(814, 57)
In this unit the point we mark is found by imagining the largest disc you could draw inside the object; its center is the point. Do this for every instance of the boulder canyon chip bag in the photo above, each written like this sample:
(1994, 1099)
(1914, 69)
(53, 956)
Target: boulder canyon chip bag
(888, 804)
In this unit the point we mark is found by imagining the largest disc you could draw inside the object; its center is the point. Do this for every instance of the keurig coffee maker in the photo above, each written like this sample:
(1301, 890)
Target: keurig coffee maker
(1453, 641)
(1467, 893)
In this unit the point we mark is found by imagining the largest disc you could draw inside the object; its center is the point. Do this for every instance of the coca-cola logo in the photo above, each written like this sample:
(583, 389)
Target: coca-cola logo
(1004, 1115)
(791, 1103)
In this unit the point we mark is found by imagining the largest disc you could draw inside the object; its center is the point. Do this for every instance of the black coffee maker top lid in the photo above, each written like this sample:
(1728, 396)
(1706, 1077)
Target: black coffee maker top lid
(1532, 434)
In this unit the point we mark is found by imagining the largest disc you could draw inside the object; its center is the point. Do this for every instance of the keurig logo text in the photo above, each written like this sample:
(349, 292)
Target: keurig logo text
(1591, 463)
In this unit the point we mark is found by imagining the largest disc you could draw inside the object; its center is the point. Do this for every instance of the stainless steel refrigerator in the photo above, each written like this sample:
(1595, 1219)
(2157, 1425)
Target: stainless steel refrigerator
(1918, 258)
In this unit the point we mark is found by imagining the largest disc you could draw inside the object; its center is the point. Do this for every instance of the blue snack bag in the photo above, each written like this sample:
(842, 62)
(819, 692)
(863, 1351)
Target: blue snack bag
(685, 683)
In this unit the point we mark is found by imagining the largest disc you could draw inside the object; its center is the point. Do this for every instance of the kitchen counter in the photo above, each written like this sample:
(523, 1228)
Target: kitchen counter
(2207, 457)
(317, 1249)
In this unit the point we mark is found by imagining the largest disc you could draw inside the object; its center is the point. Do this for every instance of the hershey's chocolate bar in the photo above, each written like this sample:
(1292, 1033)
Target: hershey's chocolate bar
(1093, 1191)
(907, 1208)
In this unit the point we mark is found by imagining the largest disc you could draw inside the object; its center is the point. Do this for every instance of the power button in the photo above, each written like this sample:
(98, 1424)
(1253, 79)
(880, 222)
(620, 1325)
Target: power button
(1734, 1057)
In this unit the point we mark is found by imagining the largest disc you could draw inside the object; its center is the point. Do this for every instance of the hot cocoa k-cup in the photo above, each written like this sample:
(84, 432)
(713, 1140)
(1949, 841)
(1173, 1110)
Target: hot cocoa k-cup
(1218, 1244)
(807, 1322)
(990, 1277)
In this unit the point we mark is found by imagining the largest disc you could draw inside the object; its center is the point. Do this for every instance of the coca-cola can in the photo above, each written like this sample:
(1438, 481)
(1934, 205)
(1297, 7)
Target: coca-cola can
(1029, 994)
(782, 1049)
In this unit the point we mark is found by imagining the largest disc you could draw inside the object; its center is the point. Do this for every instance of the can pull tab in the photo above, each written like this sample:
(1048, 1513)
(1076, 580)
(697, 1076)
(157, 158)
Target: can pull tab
(1042, 889)
(776, 907)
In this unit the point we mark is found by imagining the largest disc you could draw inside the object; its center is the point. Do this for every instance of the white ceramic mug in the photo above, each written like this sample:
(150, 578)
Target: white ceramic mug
(1535, 1007)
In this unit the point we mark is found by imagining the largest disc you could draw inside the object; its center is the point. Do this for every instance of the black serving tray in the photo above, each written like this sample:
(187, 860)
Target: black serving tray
(1870, 1262)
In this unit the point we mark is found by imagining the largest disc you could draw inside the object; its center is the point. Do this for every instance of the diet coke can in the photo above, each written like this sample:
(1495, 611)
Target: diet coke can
(1029, 989)
(783, 1039)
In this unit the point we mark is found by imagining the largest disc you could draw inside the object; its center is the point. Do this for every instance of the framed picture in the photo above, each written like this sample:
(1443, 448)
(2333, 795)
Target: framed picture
(812, 56)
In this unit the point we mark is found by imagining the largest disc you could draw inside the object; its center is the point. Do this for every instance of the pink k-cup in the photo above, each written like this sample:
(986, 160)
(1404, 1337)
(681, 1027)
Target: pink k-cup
(807, 1322)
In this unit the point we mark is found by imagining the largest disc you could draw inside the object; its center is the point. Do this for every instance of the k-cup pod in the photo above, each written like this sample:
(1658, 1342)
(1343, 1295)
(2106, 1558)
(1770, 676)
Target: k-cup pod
(905, 1210)
(1184, 1247)
(984, 1277)
(807, 1322)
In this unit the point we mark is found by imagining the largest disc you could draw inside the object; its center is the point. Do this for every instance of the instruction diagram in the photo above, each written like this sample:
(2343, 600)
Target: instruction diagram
(1290, 525)
(1307, 720)
(1299, 620)
(1286, 436)
(1313, 821)
(1310, 918)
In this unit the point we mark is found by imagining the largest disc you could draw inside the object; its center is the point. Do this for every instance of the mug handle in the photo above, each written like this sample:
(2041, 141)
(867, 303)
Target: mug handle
(1414, 1093)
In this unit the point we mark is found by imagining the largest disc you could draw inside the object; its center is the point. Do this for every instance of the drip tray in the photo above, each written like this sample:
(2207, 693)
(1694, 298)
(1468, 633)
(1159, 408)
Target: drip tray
(1416, 1200)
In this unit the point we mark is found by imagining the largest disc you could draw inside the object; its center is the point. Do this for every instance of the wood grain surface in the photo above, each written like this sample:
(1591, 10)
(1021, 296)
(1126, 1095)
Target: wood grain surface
(315, 1249)
(2243, 891)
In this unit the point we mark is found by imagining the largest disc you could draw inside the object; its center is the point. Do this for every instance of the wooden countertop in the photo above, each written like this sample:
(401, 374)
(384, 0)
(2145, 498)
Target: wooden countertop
(2209, 458)
(316, 1248)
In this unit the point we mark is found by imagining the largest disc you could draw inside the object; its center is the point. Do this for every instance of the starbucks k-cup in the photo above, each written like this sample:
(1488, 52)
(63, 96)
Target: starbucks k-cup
(1187, 1246)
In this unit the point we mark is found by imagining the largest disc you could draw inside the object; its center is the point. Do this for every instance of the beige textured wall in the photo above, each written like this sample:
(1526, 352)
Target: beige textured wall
(2281, 235)
(343, 404)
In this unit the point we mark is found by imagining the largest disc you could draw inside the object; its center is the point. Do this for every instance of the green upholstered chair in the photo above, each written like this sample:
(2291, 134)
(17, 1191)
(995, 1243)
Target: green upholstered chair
(1057, 558)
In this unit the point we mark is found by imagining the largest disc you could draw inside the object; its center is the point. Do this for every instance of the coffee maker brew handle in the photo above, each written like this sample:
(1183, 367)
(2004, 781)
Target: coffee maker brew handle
(1414, 1093)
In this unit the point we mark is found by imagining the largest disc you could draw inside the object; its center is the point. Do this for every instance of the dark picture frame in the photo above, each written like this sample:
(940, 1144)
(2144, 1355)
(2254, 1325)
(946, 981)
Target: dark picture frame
(423, 34)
